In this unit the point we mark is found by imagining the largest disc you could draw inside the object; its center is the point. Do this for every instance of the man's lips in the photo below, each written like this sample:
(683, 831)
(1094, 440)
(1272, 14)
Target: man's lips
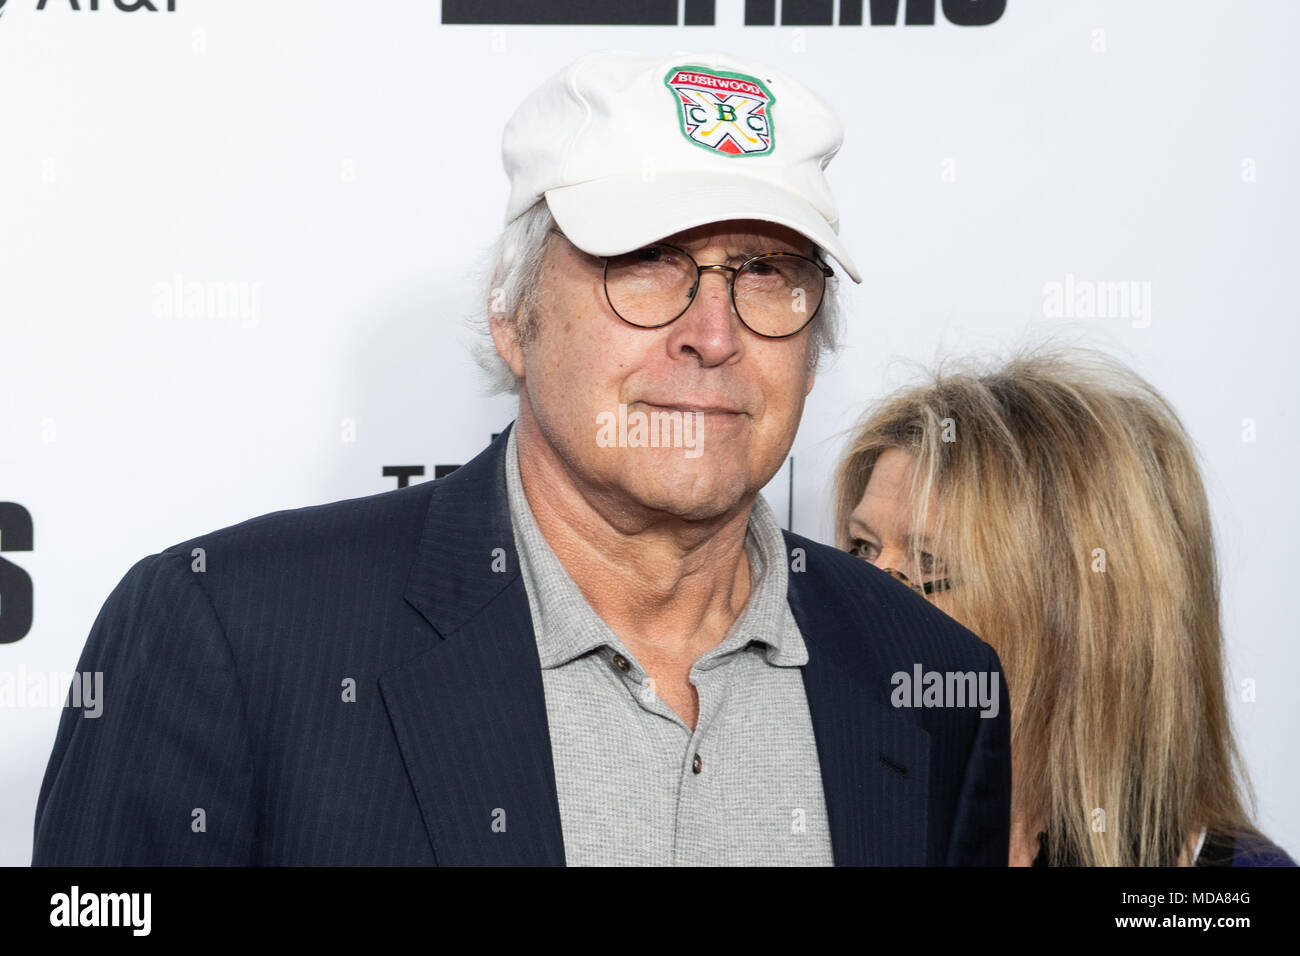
(702, 408)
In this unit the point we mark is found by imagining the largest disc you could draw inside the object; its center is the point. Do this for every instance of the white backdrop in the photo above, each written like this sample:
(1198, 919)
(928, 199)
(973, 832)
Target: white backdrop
(333, 170)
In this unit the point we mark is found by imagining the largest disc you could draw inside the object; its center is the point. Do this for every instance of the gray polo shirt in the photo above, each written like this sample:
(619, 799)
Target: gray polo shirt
(636, 786)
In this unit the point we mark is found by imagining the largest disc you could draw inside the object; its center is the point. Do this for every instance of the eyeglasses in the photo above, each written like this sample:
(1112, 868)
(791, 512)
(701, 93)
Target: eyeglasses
(774, 294)
(925, 587)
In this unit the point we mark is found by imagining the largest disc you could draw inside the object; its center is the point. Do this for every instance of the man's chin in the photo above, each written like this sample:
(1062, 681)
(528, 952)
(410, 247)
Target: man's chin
(689, 493)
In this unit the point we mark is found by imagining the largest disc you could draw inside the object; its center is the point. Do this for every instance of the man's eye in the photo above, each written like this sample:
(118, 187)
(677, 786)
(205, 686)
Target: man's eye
(652, 254)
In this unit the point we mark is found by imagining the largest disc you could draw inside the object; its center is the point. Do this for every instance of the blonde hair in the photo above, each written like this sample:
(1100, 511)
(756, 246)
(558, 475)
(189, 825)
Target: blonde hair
(1075, 526)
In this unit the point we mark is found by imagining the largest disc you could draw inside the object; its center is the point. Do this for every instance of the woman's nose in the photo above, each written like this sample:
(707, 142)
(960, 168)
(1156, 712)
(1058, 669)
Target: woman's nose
(892, 557)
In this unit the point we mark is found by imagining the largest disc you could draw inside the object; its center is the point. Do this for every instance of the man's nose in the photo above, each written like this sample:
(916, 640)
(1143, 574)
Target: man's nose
(709, 325)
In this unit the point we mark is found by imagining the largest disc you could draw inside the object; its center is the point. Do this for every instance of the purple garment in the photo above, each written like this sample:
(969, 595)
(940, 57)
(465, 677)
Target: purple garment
(1219, 849)
(1260, 854)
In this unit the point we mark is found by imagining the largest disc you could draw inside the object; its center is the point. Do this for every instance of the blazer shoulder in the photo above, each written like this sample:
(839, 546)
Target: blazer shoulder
(375, 523)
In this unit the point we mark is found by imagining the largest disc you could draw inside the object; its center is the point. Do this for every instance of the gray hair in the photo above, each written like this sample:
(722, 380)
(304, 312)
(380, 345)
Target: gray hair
(513, 280)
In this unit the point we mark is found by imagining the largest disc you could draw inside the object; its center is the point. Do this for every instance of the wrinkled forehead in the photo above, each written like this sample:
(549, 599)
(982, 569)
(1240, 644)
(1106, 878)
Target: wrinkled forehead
(743, 237)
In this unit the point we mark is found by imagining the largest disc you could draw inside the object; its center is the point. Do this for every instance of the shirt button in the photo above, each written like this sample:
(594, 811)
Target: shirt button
(621, 663)
(697, 764)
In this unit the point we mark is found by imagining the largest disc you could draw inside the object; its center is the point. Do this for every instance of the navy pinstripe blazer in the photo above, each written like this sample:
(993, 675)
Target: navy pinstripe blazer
(226, 736)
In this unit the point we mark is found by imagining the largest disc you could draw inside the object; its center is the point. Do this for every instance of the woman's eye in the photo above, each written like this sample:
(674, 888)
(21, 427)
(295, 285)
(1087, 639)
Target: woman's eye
(863, 549)
(930, 564)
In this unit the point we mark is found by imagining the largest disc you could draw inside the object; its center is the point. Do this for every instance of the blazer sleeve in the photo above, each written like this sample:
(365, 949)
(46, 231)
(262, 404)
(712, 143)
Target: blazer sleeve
(164, 774)
(981, 833)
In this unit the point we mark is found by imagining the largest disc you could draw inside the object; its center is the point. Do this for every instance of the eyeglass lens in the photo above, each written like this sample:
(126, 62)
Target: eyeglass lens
(774, 295)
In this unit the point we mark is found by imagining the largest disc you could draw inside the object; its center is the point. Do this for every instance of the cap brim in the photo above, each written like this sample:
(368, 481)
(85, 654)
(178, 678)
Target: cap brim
(607, 217)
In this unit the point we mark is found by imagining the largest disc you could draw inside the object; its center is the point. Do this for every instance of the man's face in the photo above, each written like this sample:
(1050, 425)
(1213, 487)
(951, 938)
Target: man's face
(585, 362)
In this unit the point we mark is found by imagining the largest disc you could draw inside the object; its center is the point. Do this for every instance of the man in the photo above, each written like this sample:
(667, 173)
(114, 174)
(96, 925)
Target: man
(592, 644)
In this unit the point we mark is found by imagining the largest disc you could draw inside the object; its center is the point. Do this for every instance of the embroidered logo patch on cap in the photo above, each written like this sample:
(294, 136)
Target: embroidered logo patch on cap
(728, 113)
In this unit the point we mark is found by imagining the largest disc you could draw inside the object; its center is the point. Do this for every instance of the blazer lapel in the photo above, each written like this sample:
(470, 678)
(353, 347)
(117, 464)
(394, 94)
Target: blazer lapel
(470, 713)
(874, 763)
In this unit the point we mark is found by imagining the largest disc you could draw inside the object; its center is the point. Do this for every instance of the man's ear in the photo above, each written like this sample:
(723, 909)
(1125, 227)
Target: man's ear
(506, 340)
(812, 377)
(505, 334)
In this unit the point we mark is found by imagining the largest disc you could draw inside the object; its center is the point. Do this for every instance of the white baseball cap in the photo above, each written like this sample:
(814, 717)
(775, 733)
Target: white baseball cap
(628, 148)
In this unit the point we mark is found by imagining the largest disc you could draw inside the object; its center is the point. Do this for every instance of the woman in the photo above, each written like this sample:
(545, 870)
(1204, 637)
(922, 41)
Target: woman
(1055, 507)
